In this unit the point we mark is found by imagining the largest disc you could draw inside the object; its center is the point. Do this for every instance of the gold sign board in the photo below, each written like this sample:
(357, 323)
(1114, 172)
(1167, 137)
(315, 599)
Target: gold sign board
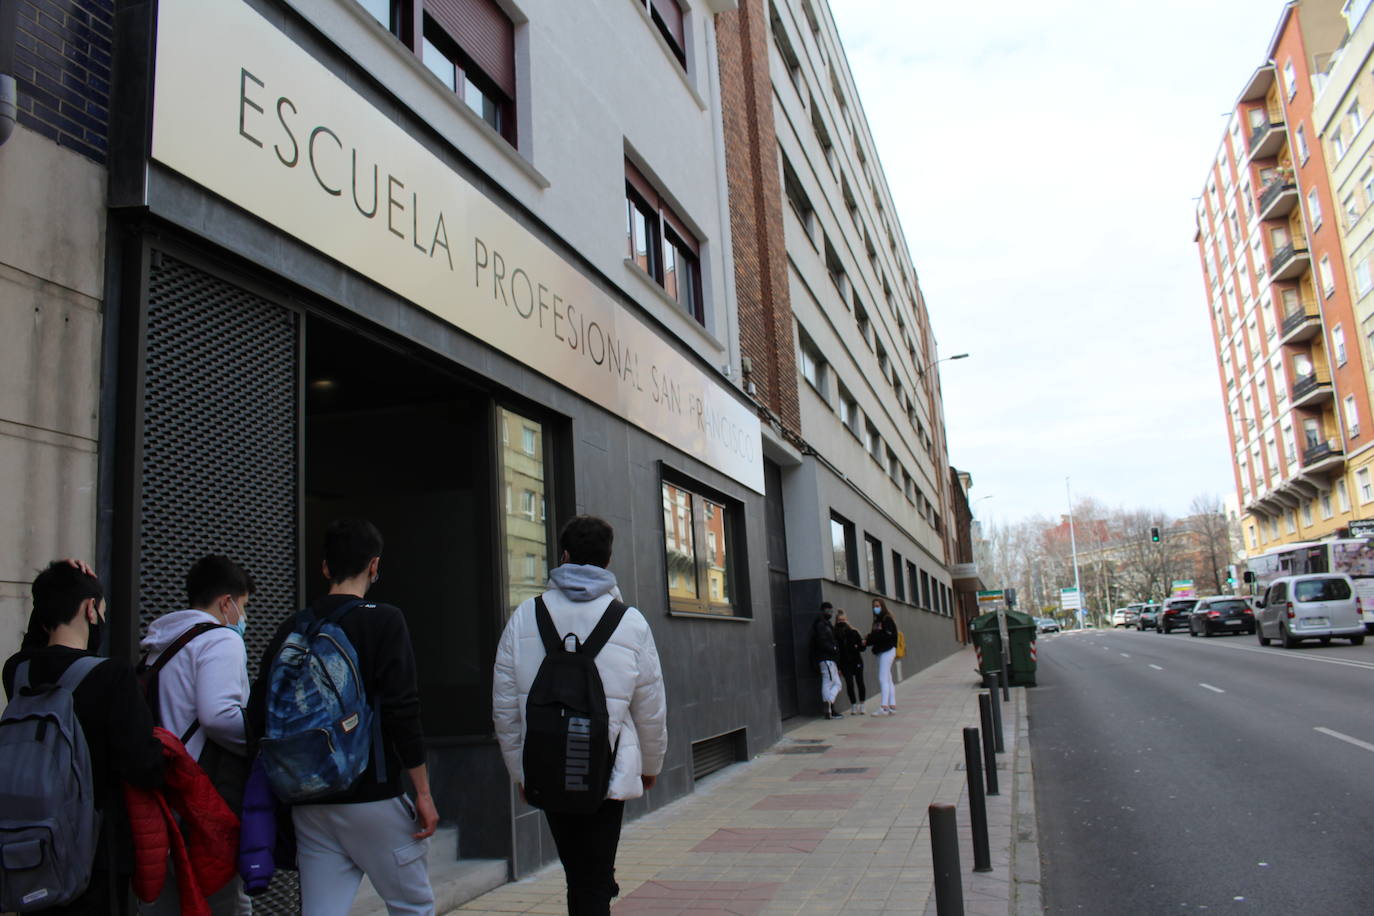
(244, 112)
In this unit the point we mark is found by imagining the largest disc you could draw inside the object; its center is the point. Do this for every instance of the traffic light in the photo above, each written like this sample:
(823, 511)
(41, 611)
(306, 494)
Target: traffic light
(1154, 535)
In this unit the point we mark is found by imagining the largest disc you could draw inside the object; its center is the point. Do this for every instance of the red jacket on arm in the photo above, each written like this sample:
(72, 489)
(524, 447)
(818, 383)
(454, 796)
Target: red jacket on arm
(205, 845)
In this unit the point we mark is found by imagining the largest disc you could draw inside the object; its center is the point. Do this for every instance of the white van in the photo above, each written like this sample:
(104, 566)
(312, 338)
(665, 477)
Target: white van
(1314, 606)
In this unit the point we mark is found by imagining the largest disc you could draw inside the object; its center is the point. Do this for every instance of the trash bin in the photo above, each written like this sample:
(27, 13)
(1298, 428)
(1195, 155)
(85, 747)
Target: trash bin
(1021, 633)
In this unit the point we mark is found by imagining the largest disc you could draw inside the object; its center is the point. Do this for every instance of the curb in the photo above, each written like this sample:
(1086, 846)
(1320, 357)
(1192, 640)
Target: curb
(1026, 898)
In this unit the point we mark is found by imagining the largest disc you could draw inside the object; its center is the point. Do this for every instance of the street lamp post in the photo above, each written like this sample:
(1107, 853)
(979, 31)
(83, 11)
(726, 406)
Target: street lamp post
(921, 371)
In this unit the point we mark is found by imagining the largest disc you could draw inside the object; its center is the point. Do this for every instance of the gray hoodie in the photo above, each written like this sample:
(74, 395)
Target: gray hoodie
(207, 680)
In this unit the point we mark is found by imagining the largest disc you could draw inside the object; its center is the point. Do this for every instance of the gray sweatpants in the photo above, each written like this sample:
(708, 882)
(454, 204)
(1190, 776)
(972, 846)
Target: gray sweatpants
(337, 844)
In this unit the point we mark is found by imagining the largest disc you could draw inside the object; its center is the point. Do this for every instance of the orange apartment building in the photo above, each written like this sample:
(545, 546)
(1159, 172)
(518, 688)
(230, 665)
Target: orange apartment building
(1291, 370)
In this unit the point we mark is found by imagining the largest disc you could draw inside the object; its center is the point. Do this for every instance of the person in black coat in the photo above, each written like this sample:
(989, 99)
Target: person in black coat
(851, 661)
(825, 652)
(882, 639)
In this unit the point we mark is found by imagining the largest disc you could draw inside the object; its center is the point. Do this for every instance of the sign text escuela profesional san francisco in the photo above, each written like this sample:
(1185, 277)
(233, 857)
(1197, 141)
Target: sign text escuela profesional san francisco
(240, 109)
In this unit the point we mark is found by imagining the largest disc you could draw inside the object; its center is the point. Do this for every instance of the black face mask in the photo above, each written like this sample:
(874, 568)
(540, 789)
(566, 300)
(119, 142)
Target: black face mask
(93, 640)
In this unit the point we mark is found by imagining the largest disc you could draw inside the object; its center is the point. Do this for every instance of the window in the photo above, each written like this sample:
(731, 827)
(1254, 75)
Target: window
(387, 12)
(1362, 278)
(1254, 541)
(789, 54)
(527, 534)
(875, 441)
(801, 204)
(1307, 514)
(845, 550)
(667, 16)
(1356, 116)
(1338, 145)
(1362, 481)
(1301, 139)
(925, 589)
(698, 546)
(835, 267)
(470, 46)
(912, 579)
(813, 366)
(822, 135)
(1290, 82)
(898, 583)
(894, 467)
(1290, 521)
(1352, 416)
(849, 411)
(1326, 504)
(873, 553)
(1338, 344)
(661, 245)
(1328, 279)
(1342, 495)
(1314, 209)
(861, 318)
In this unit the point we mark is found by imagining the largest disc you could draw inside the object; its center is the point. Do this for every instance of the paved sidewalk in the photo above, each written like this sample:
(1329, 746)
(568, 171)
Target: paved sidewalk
(832, 819)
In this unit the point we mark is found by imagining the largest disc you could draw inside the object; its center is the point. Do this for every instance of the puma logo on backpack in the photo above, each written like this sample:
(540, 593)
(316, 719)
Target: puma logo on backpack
(568, 755)
(320, 730)
(48, 821)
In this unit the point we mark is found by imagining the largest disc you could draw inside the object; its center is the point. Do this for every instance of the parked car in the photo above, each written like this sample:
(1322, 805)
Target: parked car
(1314, 606)
(1221, 614)
(1146, 620)
(1173, 614)
(1125, 617)
(1047, 625)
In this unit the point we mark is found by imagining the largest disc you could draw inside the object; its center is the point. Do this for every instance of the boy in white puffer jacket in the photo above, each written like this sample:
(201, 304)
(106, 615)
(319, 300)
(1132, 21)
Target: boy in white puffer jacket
(580, 590)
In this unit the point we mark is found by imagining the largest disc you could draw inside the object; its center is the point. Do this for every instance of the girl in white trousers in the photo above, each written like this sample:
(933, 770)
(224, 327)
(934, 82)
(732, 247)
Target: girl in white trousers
(883, 639)
(889, 693)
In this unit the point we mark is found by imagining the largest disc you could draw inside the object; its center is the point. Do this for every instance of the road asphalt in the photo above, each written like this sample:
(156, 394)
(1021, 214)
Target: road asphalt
(1177, 774)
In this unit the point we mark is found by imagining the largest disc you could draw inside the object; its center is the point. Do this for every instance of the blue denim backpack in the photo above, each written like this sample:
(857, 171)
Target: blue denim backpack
(320, 730)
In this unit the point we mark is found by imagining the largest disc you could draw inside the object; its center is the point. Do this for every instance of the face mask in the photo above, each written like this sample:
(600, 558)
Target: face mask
(877, 610)
(95, 631)
(241, 627)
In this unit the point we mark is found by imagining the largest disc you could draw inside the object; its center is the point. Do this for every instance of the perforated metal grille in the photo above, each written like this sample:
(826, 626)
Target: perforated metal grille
(219, 453)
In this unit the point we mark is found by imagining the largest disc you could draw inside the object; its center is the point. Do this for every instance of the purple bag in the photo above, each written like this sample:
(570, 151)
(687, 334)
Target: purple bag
(257, 832)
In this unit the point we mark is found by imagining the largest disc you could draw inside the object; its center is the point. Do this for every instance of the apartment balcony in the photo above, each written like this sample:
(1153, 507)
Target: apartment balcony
(1267, 139)
(1323, 458)
(1277, 199)
(1310, 390)
(1300, 326)
(1288, 263)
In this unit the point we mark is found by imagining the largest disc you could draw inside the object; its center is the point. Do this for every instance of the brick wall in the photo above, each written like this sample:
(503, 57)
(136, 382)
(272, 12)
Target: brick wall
(756, 215)
(62, 59)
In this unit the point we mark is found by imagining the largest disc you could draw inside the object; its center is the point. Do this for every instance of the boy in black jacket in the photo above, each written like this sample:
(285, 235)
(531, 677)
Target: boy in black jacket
(825, 651)
(372, 828)
(68, 614)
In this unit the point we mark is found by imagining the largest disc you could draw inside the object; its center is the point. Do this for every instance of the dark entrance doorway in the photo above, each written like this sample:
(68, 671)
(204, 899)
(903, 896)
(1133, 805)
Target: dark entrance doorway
(780, 592)
(393, 439)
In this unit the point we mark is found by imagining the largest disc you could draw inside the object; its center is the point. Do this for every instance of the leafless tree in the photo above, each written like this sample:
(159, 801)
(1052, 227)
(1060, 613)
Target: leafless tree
(1211, 534)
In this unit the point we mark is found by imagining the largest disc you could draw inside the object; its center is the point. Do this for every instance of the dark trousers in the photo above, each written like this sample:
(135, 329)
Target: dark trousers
(850, 677)
(586, 846)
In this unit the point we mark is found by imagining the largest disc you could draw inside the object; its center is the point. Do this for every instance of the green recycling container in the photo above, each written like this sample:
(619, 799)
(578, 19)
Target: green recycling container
(1021, 633)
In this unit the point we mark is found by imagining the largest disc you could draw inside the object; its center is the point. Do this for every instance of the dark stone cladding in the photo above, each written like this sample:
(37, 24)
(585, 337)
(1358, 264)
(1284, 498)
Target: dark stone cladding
(62, 65)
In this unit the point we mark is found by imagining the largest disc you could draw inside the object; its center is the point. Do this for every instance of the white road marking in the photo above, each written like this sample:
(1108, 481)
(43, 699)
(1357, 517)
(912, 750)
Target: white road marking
(1276, 653)
(1211, 688)
(1346, 738)
(1156, 667)
(1124, 655)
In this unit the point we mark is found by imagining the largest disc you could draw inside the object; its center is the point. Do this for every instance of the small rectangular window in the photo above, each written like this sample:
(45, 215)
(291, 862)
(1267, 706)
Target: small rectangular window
(844, 550)
(898, 585)
(925, 589)
(470, 46)
(667, 16)
(699, 546)
(812, 364)
(527, 534)
(873, 553)
(659, 243)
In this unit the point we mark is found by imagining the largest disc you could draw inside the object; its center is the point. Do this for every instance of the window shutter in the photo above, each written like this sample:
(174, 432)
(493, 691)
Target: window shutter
(484, 33)
(671, 14)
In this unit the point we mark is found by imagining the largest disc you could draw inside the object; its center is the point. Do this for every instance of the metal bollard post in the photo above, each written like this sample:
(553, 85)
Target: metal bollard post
(1005, 676)
(977, 804)
(944, 852)
(989, 753)
(993, 679)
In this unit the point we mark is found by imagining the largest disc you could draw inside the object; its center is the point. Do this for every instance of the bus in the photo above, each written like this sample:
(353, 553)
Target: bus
(1352, 556)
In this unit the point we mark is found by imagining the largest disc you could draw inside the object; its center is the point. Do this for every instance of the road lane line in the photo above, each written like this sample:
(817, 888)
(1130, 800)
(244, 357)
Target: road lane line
(1124, 655)
(1211, 688)
(1278, 653)
(1156, 667)
(1346, 738)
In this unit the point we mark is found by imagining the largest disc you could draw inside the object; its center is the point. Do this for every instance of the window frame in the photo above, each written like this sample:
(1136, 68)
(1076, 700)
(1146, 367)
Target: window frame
(665, 229)
(467, 71)
(737, 605)
(898, 580)
(875, 564)
(851, 549)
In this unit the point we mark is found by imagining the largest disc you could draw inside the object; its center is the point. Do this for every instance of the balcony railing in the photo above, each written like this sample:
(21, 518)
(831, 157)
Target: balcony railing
(1287, 262)
(1277, 199)
(1299, 326)
(1265, 140)
(1321, 451)
(1307, 385)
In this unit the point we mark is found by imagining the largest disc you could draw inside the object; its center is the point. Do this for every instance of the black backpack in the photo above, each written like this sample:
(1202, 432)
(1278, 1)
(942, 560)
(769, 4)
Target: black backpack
(568, 753)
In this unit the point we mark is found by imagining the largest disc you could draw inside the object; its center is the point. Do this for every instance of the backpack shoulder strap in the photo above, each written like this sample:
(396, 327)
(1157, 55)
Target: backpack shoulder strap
(605, 627)
(179, 643)
(553, 643)
(76, 672)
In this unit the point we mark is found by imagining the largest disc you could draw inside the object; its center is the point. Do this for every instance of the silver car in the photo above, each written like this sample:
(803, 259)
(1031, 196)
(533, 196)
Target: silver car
(1314, 606)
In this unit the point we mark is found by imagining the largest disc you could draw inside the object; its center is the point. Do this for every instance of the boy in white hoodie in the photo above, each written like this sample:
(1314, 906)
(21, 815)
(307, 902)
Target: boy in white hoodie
(580, 590)
(202, 688)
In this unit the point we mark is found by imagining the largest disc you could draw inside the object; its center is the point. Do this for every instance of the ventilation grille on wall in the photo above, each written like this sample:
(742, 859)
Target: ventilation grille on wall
(219, 454)
(712, 754)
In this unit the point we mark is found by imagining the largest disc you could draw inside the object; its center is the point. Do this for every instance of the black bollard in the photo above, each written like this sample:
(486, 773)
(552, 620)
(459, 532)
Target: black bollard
(944, 852)
(1005, 676)
(989, 753)
(993, 679)
(977, 804)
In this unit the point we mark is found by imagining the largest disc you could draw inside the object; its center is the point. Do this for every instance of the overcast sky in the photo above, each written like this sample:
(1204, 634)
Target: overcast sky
(1044, 159)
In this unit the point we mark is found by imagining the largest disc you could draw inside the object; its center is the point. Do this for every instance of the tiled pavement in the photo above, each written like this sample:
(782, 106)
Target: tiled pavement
(832, 819)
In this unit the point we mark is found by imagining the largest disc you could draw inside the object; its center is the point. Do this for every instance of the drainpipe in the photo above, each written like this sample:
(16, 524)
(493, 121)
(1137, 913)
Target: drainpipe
(9, 90)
